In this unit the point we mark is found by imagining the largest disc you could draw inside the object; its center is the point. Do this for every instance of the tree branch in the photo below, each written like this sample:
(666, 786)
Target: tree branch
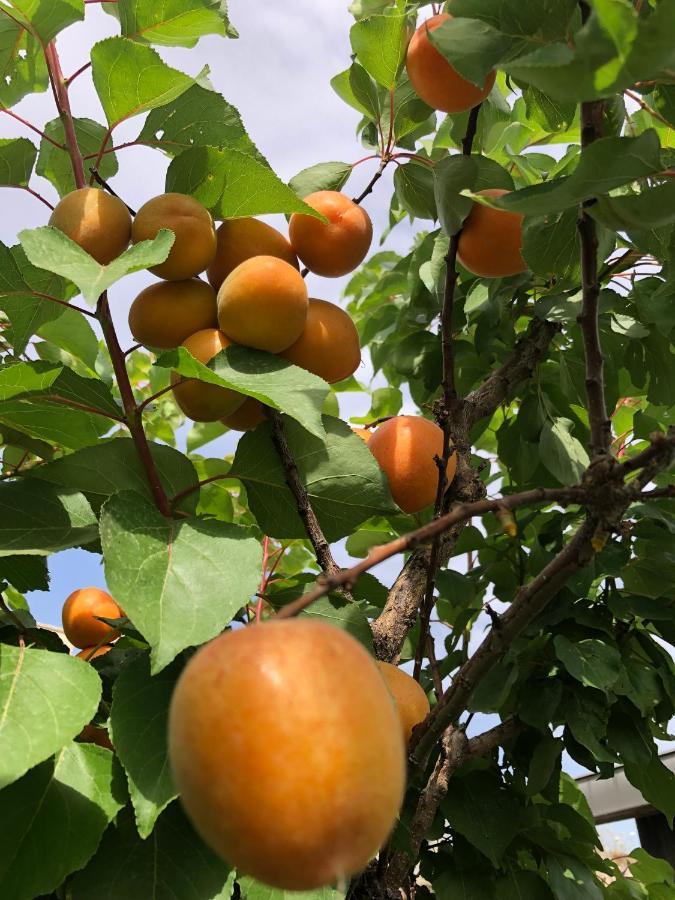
(373, 181)
(10, 112)
(60, 90)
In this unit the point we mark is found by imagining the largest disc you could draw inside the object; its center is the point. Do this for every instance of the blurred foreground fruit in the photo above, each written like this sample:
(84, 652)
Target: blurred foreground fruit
(97, 221)
(411, 701)
(404, 448)
(287, 752)
(239, 240)
(79, 611)
(491, 240)
(195, 244)
(200, 401)
(335, 247)
(89, 653)
(329, 343)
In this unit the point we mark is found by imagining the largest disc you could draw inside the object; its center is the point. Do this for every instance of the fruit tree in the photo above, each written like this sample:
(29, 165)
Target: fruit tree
(387, 560)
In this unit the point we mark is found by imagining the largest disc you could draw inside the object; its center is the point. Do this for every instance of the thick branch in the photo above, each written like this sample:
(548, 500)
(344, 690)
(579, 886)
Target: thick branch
(60, 89)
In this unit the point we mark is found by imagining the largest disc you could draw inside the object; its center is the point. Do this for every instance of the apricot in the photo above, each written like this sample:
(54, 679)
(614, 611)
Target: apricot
(437, 82)
(249, 415)
(335, 247)
(263, 304)
(412, 704)
(195, 235)
(363, 433)
(286, 749)
(94, 734)
(168, 312)
(97, 221)
(79, 611)
(404, 448)
(329, 343)
(239, 240)
(200, 401)
(491, 240)
(89, 653)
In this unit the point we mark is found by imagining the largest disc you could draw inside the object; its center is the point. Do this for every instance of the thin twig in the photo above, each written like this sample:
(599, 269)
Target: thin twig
(29, 190)
(43, 135)
(95, 174)
(373, 181)
(73, 404)
(155, 396)
(77, 73)
(636, 98)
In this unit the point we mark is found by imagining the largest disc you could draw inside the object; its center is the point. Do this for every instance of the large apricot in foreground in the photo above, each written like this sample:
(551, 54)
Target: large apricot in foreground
(404, 448)
(80, 624)
(195, 235)
(491, 240)
(200, 401)
(249, 415)
(263, 304)
(335, 247)
(168, 312)
(97, 221)
(329, 343)
(411, 701)
(239, 240)
(287, 752)
(437, 82)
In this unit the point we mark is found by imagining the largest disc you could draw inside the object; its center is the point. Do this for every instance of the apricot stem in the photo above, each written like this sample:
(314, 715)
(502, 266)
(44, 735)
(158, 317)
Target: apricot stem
(95, 174)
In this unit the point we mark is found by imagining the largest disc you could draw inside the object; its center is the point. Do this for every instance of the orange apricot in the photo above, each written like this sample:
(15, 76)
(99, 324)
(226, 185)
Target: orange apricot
(363, 433)
(263, 304)
(329, 343)
(239, 240)
(97, 221)
(404, 448)
(335, 247)
(200, 401)
(286, 749)
(168, 312)
(437, 82)
(195, 236)
(412, 704)
(491, 240)
(80, 624)
(89, 653)
(249, 415)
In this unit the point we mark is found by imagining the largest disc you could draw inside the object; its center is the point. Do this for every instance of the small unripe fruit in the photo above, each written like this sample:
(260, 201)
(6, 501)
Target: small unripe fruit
(412, 704)
(405, 448)
(241, 239)
(287, 751)
(195, 236)
(168, 312)
(89, 653)
(263, 304)
(79, 611)
(335, 247)
(97, 221)
(200, 401)
(329, 343)
(491, 240)
(437, 82)
(249, 415)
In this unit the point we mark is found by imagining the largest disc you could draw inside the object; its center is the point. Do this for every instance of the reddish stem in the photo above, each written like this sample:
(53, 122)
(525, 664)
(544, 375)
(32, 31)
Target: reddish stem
(165, 390)
(71, 78)
(30, 125)
(60, 90)
(263, 579)
(24, 187)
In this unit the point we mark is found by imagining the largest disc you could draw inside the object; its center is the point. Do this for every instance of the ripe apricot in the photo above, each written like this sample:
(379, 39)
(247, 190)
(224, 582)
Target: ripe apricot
(491, 240)
(79, 623)
(97, 221)
(335, 247)
(437, 82)
(239, 240)
(94, 734)
(195, 244)
(89, 653)
(168, 312)
(263, 304)
(287, 752)
(329, 343)
(412, 704)
(249, 415)
(363, 433)
(200, 401)
(404, 448)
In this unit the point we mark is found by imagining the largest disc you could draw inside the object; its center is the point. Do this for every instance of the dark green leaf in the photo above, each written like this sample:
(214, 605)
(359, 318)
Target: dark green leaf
(454, 174)
(379, 43)
(17, 158)
(41, 519)
(562, 454)
(591, 661)
(571, 880)
(328, 176)
(414, 184)
(23, 69)
(25, 573)
(54, 163)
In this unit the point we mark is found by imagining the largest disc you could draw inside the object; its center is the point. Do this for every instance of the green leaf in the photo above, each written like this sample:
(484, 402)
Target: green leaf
(17, 158)
(545, 758)
(40, 519)
(131, 79)
(551, 245)
(54, 163)
(522, 885)
(23, 69)
(571, 880)
(25, 573)
(72, 333)
(230, 183)
(344, 483)
(253, 890)
(591, 661)
(180, 582)
(586, 714)
(52, 820)
(173, 862)
(139, 720)
(45, 700)
(112, 467)
(562, 454)
(266, 377)
(453, 174)
(380, 45)
(414, 185)
(328, 176)
(656, 784)
(48, 248)
(45, 18)
(174, 23)
(474, 48)
(654, 207)
(342, 614)
(358, 90)
(198, 118)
